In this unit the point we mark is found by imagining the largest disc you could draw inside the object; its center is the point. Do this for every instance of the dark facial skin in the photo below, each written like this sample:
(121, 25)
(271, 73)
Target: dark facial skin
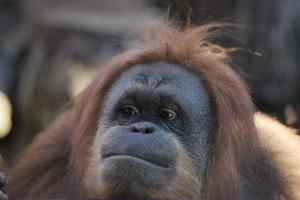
(156, 120)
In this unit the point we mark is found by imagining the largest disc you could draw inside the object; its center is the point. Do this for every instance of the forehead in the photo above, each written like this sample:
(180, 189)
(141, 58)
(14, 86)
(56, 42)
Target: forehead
(160, 71)
(163, 78)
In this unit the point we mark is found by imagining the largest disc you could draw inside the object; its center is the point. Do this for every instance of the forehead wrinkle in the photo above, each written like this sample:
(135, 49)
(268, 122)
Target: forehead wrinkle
(167, 81)
(166, 86)
(156, 82)
(141, 78)
(135, 90)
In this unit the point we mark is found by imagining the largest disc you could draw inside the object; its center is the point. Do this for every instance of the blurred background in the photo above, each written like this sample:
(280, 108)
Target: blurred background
(51, 49)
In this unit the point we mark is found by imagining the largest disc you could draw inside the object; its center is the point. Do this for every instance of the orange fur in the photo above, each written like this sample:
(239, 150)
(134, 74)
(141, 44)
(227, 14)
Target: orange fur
(284, 143)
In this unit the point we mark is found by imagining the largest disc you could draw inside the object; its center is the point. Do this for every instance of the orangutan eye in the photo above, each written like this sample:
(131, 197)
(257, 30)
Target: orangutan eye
(167, 114)
(129, 110)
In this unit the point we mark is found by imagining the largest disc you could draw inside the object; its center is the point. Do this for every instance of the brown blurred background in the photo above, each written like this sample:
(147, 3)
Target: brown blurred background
(51, 49)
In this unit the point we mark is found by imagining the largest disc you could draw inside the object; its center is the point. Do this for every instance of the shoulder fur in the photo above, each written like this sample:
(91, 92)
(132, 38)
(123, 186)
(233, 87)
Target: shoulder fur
(284, 143)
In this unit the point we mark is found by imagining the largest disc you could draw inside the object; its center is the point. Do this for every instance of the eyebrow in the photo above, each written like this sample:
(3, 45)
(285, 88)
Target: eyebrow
(133, 93)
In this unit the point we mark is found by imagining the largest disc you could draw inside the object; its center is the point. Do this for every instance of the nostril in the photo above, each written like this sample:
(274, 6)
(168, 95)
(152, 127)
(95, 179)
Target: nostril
(148, 130)
(143, 128)
(134, 130)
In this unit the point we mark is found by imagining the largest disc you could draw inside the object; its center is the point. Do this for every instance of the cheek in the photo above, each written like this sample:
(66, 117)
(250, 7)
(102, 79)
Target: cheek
(92, 178)
(187, 175)
(199, 143)
(199, 150)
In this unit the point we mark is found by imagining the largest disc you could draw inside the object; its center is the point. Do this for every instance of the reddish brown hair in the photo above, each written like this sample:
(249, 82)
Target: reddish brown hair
(189, 47)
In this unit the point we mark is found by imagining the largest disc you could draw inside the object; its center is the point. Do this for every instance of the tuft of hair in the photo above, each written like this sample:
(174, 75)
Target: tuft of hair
(174, 43)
